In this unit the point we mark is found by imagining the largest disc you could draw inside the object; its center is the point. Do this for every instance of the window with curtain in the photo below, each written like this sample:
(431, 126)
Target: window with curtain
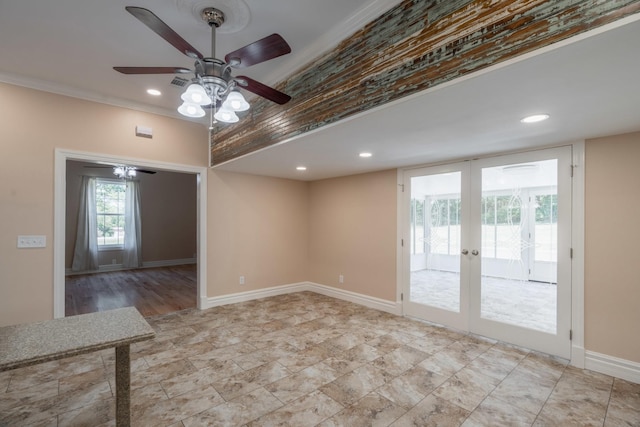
(110, 213)
(108, 218)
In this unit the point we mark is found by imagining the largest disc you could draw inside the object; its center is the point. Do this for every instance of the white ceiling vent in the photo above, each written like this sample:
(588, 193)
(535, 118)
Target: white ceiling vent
(179, 81)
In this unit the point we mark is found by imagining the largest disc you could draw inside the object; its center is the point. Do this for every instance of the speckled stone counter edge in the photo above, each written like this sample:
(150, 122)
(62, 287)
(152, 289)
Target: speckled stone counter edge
(34, 343)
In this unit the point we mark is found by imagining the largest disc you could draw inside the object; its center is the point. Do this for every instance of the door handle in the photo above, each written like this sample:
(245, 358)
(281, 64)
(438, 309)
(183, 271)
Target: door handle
(465, 252)
(474, 252)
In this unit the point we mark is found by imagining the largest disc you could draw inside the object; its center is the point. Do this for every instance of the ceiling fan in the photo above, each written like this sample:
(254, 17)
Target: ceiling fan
(213, 82)
(123, 171)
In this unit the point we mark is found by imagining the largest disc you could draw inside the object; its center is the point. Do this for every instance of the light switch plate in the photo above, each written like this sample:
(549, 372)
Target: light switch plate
(32, 241)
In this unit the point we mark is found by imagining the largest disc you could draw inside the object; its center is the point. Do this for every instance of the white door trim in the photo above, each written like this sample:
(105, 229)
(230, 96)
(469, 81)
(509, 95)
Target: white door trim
(577, 265)
(577, 243)
(59, 214)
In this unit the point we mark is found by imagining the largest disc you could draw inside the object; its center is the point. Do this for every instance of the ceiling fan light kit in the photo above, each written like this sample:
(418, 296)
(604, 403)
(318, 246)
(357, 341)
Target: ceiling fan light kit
(189, 109)
(124, 171)
(196, 94)
(226, 116)
(213, 85)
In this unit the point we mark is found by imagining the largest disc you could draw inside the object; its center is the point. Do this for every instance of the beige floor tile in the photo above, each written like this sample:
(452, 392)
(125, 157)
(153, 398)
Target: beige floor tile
(181, 384)
(308, 410)
(399, 360)
(307, 359)
(433, 411)
(246, 381)
(524, 390)
(236, 412)
(26, 396)
(302, 382)
(372, 410)
(97, 413)
(351, 387)
(496, 413)
(196, 400)
(155, 374)
(467, 388)
(624, 405)
(5, 378)
(411, 387)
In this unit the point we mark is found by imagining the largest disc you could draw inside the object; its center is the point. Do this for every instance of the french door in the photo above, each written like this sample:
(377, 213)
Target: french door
(488, 247)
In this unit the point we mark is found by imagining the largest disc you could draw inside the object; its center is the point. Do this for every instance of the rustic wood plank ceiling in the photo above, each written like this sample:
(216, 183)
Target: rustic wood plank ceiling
(414, 46)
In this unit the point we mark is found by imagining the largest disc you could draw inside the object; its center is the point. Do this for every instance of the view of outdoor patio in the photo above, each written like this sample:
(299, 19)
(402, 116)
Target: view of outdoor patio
(514, 229)
(522, 303)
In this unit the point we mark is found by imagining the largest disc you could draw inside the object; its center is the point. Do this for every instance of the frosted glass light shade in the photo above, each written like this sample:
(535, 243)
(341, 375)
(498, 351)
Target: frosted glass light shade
(226, 116)
(235, 102)
(196, 94)
(191, 110)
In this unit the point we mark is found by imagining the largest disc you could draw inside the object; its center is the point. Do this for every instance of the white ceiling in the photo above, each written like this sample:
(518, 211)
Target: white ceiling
(589, 84)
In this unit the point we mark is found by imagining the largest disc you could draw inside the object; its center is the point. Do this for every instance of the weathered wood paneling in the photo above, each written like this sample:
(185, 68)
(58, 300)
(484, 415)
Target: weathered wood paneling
(414, 46)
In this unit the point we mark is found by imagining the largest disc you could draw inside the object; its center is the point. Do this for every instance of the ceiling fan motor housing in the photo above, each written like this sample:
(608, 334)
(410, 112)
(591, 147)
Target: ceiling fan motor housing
(215, 77)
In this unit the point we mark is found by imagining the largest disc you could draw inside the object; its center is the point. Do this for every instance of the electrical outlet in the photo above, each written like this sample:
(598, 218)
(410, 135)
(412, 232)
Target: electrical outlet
(242, 280)
(32, 241)
(341, 278)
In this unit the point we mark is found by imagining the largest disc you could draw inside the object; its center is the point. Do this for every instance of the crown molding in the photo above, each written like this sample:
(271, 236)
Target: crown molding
(65, 90)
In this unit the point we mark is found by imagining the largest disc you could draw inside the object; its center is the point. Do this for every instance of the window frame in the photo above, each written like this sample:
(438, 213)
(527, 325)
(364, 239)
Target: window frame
(117, 246)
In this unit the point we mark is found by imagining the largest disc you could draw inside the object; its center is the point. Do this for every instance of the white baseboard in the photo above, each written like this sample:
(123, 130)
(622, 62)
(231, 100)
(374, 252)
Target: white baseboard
(146, 264)
(356, 298)
(252, 295)
(609, 365)
(168, 262)
(365, 300)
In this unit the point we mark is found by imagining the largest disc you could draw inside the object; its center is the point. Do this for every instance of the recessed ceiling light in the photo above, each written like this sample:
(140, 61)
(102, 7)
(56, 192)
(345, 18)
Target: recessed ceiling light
(301, 168)
(535, 118)
(365, 154)
(154, 92)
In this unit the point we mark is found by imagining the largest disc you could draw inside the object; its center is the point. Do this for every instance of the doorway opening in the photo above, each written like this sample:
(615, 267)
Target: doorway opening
(161, 277)
(164, 281)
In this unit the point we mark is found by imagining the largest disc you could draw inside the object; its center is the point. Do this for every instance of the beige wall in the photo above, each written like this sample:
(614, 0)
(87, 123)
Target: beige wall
(612, 212)
(276, 231)
(352, 231)
(258, 228)
(34, 123)
(169, 216)
(168, 211)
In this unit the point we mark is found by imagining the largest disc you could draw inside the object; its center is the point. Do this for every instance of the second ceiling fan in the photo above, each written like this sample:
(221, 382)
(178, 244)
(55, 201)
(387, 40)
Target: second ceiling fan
(213, 82)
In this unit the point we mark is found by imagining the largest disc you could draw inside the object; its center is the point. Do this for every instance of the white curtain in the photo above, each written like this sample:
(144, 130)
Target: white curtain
(85, 255)
(132, 256)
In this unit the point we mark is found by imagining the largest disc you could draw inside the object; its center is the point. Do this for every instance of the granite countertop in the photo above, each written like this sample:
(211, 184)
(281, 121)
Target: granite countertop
(33, 343)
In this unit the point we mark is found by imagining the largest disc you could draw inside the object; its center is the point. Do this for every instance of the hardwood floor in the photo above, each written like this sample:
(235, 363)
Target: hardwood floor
(152, 291)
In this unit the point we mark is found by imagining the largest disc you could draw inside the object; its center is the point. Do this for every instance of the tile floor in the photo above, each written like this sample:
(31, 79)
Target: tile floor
(308, 360)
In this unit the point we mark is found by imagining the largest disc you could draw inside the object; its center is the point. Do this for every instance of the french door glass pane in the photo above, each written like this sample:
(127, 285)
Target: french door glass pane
(435, 240)
(519, 244)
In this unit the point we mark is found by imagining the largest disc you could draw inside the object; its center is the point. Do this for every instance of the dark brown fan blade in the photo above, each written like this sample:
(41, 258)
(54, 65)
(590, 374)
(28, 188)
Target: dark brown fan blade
(149, 19)
(152, 70)
(259, 51)
(264, 91)
(145, 171)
